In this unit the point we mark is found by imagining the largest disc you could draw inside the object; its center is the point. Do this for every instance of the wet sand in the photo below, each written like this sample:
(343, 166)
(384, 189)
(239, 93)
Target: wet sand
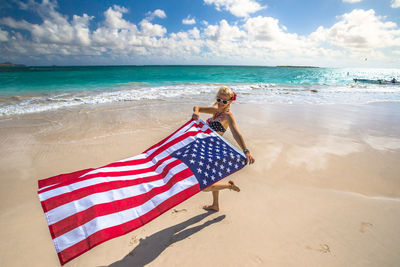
(324, 191)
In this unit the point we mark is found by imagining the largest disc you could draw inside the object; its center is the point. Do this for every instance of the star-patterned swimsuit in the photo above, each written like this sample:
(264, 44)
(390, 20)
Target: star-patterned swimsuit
(215, 122)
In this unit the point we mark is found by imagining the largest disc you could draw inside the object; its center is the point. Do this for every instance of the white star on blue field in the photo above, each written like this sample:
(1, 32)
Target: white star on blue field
(210, 160)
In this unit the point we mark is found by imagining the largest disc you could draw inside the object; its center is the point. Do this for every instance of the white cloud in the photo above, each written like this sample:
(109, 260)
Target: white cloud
(195, 33)
(395, 3)
(115, 29)
(149, 29)
(351, 1)
(81, 28)
(12, 23)
(256, 40)
(156, 13)
(3, 36)
(44, 9)
(224, 32)
(360, 29)
(120, 36)
(120, 9)
(189, 21)
(114, 18)
(182, 45)
(259, 40)
(160, 13)
(55, 27)
(239, 8)
(266, 29)
(56, 35)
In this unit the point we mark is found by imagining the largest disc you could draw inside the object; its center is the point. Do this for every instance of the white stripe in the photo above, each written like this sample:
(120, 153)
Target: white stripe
(176, 135)
(44, 187)
(165, 153)
(68, 209)
(103, 222)
(98, 180)
(105, 169)
(179, 145)
(140, 156)
(61, 190)
(122, 168)
(188, 128)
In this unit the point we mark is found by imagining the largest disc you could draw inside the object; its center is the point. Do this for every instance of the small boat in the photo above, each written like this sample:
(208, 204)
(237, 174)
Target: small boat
(379, 81)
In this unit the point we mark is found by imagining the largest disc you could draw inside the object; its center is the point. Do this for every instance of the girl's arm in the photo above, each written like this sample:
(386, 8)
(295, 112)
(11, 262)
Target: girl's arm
(197, 109)
(239, 139)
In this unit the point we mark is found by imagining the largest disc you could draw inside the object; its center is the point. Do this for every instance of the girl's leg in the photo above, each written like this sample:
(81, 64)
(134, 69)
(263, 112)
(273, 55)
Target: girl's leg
(221, 186)
(215, 192)
(215, 204)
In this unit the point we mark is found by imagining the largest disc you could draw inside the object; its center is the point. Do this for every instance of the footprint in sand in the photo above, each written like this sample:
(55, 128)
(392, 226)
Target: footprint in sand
(177, 211)
(323, 248)
(257, 259)
(364, 226)
(133, 241)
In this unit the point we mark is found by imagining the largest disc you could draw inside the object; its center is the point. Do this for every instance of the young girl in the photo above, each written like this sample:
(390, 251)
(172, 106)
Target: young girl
(221, 119)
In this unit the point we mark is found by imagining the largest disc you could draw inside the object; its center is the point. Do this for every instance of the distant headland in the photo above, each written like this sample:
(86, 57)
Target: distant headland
(9, 64)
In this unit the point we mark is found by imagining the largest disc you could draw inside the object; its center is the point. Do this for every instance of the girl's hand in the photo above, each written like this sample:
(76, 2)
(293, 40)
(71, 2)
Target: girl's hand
(249, 158)
(195, 116)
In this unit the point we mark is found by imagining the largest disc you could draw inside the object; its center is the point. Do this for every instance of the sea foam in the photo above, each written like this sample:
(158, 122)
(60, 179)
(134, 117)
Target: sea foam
(253, 92)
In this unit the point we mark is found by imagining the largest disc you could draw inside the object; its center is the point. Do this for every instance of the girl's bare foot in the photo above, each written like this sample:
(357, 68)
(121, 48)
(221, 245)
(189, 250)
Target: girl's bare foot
(233, 186)
(211, 207)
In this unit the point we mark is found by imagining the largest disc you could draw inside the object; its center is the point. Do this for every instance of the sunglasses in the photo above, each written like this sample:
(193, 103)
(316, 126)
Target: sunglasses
(221, 100)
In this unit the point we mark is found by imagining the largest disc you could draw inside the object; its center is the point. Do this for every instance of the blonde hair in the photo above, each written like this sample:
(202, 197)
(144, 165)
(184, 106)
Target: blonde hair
(225, 90)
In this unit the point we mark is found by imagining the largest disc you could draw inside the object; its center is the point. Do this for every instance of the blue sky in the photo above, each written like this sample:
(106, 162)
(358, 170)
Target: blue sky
(338, 33)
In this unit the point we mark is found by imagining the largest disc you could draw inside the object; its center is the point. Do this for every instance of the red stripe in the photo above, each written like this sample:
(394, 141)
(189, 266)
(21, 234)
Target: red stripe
(62, 178)
(111, 174)
(106, 234)
(71, 181)
(124, 163)
(175, 141)
(107, 208)
(89, 214)
(198, 126)
(62, 199)
(130, 172)
(132, 162)
(169, 136)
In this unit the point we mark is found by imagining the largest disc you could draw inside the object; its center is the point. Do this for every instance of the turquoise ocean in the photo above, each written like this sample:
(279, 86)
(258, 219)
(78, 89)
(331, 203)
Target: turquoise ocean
(36, 89)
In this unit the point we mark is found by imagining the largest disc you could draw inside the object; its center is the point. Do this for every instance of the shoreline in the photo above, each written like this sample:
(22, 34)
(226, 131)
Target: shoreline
(29, 92)
(324, 189)
(200, 97)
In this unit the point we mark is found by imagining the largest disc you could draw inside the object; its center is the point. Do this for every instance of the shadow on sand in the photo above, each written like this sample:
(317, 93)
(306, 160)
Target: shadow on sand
(152, 246)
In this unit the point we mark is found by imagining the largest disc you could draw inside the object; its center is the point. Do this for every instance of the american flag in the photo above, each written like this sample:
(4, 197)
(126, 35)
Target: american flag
(86, 208)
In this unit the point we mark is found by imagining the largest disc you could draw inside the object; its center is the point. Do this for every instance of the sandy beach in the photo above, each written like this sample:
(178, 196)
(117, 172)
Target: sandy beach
(324, 191)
